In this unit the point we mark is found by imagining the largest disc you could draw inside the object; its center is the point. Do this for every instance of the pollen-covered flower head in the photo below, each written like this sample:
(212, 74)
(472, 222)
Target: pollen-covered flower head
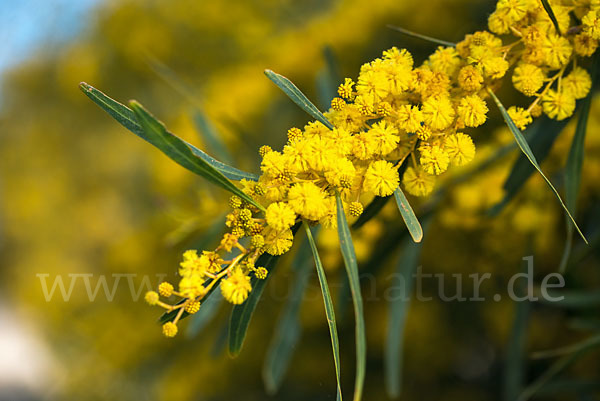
(520, 116)
(236, 287)
(417, 182)
(307, 200)
(382, 138)
(557, 50)
(409, 118)
(438, 112)
(528, 79)
(472, 110)
(445, 59)
(434, 159)
(558, 104)
(460, 148)
(278, 242)
(381, 178)
(578, 83)
(280, 216)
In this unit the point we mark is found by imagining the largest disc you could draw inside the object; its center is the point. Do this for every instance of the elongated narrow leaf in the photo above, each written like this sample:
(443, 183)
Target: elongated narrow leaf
(398, 308)
(420, 36)
(408, 215)
(297, 97)
(584, 389)
(288, 329)
(550, 13)
(557, 367)
(179, 151)
(349, 256)
(328, 79)
(242, 314)
(573, 299)
(329, 310)
(371, 211)
(514, 366)
(540, 137)
(124, 116)
(575, 164)
(585, 324)
(527, 151)
(211, 137)
(207, 312)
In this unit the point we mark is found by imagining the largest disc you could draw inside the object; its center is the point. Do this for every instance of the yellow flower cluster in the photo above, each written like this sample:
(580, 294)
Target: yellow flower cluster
(546, 58)
(393, 114)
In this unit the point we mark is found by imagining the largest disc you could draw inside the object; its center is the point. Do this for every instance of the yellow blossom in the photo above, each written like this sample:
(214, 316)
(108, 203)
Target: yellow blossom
(278, 242)
(438, 112)
(520, 117)
(445, 59)
(584, 45)
(557, 50)
(381, 178)
(434, 159)
(558, 105)
(151, 297)
(307, 200)
(470, 79)
(236, 287)
(409, 118)
(417, 182)
(578, 83)
(591, 24)
(528, 79)
(460, 148)
(280, 216)
(169, 329)
(472, 110)
(345, 89)
(383, 138)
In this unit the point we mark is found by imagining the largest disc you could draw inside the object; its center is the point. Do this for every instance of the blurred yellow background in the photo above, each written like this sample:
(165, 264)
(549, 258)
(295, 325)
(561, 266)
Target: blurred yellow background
(82, 198)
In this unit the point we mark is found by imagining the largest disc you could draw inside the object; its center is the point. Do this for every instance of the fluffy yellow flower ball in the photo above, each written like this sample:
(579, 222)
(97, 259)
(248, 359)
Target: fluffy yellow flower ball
(236, 287)
(381, 178)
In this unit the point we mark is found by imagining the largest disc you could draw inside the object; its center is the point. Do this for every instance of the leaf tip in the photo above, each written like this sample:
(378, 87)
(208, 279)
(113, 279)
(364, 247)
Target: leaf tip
(134, 104)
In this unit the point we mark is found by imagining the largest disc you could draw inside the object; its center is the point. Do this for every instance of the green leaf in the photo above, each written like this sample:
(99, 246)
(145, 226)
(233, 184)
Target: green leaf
(180, 151)
(420, 36)
(575, 163)
(515, 354)
(241, 314)
(574, 299)
(550, 13)
(540, 137)
(394, 346)
(210, 136)
(288, 329)
(560, 365)
(329, 310)
(527, 151)
(328, 79)
(411, 221)
(570, 386)
(207, 312)
(297, 97)
(585, 324)
(349, 256)
(124, 116)
(371, 211)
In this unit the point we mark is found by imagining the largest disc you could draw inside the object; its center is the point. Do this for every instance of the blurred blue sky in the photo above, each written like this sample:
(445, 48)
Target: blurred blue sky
(28, 25)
